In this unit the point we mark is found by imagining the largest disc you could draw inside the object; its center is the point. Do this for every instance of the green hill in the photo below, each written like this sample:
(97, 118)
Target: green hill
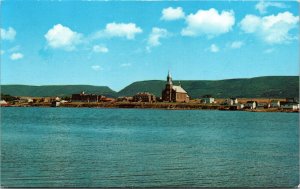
(259, 87)
(55, 90)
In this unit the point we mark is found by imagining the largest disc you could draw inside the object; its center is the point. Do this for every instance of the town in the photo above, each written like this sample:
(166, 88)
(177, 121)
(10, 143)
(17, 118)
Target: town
(172, 97)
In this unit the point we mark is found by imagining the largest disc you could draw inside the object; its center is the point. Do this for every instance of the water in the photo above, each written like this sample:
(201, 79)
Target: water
(86, 147)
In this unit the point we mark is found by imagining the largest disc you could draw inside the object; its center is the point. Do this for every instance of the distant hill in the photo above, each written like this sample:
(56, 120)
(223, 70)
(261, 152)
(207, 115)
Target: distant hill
(259, 87)
(55, 90)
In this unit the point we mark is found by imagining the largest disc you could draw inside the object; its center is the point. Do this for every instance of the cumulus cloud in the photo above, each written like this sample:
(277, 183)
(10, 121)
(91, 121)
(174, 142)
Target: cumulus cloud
(100, 49)
(8, 34)
(172, 13)
(16, 56)
(62, 37)
(208, 22)
(155, 35)
(126, 30)
(271, 29)
(236, 44)
(96, 67)
(262, 6)
(214, 48)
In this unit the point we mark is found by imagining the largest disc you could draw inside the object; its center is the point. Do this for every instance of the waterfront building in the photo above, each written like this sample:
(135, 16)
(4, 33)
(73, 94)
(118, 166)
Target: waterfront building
(207, 99)
(3, 103)
(82, 97)
(275, 104)
(250, 105)
(231, 101)
(144, 97)
(263, 105)
(174, 93)
(290, 106)
(291, 100)
(124, 99)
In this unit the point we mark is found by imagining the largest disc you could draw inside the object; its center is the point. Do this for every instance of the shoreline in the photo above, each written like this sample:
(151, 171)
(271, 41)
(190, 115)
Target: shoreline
(157, 105)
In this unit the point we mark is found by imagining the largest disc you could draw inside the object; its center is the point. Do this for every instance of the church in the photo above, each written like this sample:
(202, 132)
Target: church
(173, 93)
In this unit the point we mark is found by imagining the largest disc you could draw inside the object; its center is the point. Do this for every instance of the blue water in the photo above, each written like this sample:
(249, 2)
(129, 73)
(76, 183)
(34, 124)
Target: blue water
(85, 147)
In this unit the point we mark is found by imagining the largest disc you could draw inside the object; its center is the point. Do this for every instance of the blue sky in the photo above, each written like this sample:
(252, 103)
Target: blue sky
(113, 43)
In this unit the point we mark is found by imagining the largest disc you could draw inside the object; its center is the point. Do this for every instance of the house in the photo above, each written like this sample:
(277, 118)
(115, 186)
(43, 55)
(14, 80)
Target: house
(3, 103)
(237, 106)
(263, 105)
(290, 100)
(275, 104)
(290, 106)
(231, 101)
(174, 93)
(207, 99)
(82, 97)
(124, 99)
(144, 97)
(55, 103)
(250, 105)
(106, 99)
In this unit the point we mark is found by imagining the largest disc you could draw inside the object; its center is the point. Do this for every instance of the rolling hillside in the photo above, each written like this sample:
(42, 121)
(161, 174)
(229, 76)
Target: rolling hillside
(259, 87)
(55, 90)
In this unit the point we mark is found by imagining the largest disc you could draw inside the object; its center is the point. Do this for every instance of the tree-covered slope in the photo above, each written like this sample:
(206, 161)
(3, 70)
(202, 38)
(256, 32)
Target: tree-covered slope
(259, 87)
(55, 90)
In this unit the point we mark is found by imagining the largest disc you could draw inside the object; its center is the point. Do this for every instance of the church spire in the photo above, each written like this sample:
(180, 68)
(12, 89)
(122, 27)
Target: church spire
(169, 78)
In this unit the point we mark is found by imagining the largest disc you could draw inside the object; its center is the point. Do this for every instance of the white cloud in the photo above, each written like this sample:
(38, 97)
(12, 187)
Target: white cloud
(236, 44)
(125, 65)
(155, 35)
(127, 30)
(172, 13)
(62, 37)
(96, 67)
(8, 34)
(100, 49)
(2, 52)
(16, 56)
(214, 48)
(262, 6)
(208, 22)
(272, 29)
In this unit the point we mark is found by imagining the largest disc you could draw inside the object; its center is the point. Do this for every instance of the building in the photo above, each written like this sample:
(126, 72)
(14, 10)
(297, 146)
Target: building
(144, 97)
(275, 104)
(174, 93)
(207, 99)
(124, 99)
(264, 105)
(290, 106)
(250, 105)
(3, 103)
(82, 97)
(231, 101)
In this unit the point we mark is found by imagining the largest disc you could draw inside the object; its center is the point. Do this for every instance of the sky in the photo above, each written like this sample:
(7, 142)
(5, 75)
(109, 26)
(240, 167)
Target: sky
(115, 43)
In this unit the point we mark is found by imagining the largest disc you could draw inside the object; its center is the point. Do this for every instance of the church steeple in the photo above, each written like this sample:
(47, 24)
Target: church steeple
(169, 78)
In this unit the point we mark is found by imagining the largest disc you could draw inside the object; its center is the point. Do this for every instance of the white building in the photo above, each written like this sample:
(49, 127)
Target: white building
(290, 106)
(263, 105)
(3, 102)
(208, 99)
(231, 101)
(275, 104)
(250, 105)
